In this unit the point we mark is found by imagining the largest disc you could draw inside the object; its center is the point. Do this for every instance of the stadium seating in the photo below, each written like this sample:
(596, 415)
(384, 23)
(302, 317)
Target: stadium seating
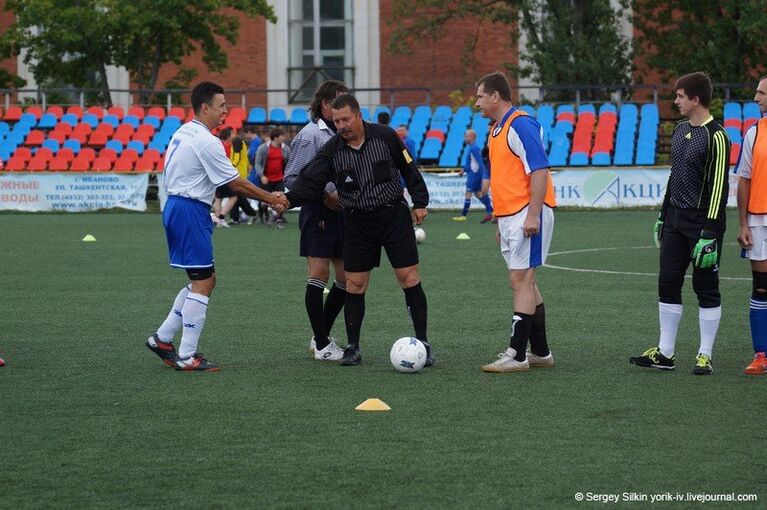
(257, 115)
(13, 114)
(648, 135)
(624, 138)
(299, 116)
(582, 136)
(56, 111)
(604, 139)
(278, 115)
(751, 115)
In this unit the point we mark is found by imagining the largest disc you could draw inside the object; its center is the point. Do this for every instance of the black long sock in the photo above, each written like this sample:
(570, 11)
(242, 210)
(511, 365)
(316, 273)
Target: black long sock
(313, 301)
(520, 332)
(333, 305)
(354, 312)
(538, 344)
(415, 299)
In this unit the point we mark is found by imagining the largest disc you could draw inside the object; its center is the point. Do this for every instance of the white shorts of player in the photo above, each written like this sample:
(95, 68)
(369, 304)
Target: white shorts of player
(522, 252)
(758, 249)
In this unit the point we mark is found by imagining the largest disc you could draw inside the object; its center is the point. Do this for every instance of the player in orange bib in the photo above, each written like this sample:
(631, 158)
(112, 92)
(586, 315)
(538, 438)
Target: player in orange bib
(752, 236)
(523, 196)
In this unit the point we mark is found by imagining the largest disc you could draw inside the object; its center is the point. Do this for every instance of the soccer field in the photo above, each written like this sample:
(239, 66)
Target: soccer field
(90, 418)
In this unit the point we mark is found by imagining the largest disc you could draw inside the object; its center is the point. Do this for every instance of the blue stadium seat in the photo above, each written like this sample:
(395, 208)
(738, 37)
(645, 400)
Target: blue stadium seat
(734, 134)
(152, 121)
(608, 108)
(91, 120)
(586, 108)
(365, 113)
(278, 115)
(132, 120)
(545, 115)
(299, 116)
(733, 111)
(6, 151)
(27, 119)
(52, 144)
(579, 159)
(136, 146)
(72, 144)
(4, 128)
(528, 109)
(401, 116)
(649, 111)
(560, 147)
(441, 118)
(422, 113)
(430, 150)
(600, 159)
(751, 111)
(115, 145)
(47, 121)
(158, 144)
(111, 119)
(257, 115)
(70, 118)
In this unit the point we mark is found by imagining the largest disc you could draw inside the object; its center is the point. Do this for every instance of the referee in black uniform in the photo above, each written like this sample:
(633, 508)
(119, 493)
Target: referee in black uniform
(691, 224)
(365, 162)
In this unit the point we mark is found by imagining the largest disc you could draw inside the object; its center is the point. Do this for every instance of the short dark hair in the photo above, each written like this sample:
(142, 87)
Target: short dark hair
(384, 118)
(496, 82)
(696, 85)
(203, 92)
(326, 92)
(249, 129)
(346, 100)
(275, 132)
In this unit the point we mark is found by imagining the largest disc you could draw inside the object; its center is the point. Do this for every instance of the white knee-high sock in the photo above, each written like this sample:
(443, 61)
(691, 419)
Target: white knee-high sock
(172, 323)
(670, 315)
(193, 317)
(708, 319)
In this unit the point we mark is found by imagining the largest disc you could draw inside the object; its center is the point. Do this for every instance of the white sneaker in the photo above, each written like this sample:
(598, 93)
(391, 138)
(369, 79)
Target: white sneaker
(312, 345)
(331, 352)
(506, 363)
(540, 362)
(218, 221)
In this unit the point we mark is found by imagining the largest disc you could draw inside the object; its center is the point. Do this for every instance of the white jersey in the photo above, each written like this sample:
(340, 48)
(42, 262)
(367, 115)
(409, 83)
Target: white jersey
(196, 163)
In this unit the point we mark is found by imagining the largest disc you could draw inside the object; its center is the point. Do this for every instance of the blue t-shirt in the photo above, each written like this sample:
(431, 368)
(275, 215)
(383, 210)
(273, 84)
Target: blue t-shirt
(474, 162)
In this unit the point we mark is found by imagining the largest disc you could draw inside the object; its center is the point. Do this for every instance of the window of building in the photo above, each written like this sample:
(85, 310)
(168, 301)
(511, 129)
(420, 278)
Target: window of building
(320, 45)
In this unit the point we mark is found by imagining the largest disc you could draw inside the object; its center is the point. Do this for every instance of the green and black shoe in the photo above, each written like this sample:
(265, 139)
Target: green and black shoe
(652, 358)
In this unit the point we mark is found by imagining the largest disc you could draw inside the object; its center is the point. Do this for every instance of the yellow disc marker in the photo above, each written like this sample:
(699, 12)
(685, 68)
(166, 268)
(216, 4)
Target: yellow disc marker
(373, 404)
(89, 239)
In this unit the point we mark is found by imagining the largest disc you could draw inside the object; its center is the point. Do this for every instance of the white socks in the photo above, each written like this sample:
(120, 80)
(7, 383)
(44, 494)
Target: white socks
(172, 323)
(708, 319)
(670, 315)
(193, 318)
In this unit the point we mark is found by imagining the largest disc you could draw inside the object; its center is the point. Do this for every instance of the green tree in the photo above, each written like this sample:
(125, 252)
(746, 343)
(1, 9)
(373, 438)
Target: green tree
(569, 42)
(74, 41)
(724, 38)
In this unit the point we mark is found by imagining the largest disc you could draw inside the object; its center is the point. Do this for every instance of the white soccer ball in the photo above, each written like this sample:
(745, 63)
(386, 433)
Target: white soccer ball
(420, 235)
(407, 355)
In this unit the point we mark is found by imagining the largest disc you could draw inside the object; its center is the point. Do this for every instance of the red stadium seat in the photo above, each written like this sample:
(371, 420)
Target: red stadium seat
(66, 154)
(136, 111)
(98, 139)
(131, 154)
(237, 112)
(160, 164)
(16, 164)
(35, 110)
(76, 110)
(734, 153)
(63, 127)
(146, 128)
(152, 154)
(122, 136)
(43, 153)
(157, 111)
(37, 164)
(87, 153)
(35, 138)
(124, 164)
(144, 164)
(59, 164)
(56, 111)
(58, 136)
(98, 111)
(733, 123)
(13, 114)
(177, 111)
(144, 138)
(117, 111)
(436, 133)
(102, 164)
(80, 164)
(189, 115)
(109, 154)
(80, 137)
(748, 123)
(24, 153)
(83, 128)
(106, 128)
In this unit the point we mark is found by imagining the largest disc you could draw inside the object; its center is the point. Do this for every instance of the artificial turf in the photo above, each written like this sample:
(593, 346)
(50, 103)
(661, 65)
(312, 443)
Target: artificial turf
(90, 418)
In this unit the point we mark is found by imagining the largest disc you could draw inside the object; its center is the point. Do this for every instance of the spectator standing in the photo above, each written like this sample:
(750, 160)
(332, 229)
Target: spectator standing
(270, 162)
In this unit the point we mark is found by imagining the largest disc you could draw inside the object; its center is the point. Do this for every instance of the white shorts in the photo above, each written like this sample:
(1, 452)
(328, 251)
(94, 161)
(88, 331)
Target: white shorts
(522, 252)
(758, 249)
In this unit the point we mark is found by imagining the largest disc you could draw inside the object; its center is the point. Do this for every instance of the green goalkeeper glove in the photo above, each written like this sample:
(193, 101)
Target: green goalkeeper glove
(657, 232)
(705, 253)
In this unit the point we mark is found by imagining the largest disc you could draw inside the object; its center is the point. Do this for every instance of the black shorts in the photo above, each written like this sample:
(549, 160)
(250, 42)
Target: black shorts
(274, 186)
(322, 232)
(366, 232)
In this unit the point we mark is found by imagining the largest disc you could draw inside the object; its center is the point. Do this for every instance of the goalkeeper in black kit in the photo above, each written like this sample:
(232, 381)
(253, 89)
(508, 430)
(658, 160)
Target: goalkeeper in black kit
(691, 224)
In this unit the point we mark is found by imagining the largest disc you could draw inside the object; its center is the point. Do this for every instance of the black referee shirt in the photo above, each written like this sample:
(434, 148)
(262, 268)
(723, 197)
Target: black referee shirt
(700, 158)
(366, 178)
